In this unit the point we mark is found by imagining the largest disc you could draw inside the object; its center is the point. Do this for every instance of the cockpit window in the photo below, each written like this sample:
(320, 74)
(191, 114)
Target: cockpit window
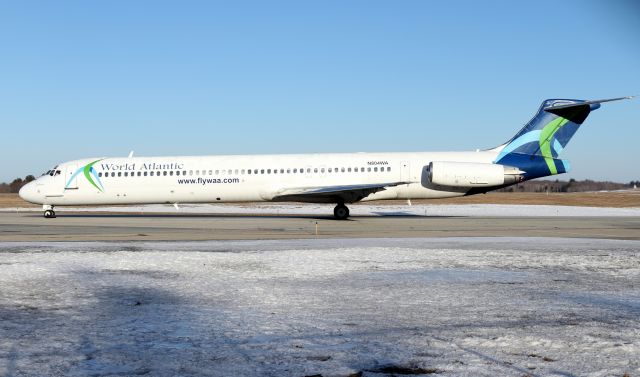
(53, 171)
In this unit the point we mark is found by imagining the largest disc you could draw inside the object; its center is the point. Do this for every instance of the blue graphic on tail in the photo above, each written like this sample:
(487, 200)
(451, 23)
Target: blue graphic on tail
(536, 147)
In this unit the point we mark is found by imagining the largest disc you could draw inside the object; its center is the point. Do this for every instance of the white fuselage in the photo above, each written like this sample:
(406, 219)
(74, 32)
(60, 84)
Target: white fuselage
(207, 179)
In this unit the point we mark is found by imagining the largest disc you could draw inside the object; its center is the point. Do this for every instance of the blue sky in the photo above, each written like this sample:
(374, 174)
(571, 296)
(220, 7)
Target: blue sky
(84, 79)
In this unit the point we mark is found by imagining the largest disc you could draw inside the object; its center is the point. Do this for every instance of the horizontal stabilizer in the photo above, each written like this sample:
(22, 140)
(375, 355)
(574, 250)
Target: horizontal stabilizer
(565, 105)
(576, 111)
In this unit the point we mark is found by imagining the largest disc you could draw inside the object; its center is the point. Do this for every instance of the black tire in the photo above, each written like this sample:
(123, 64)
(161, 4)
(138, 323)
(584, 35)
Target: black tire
(341, 212)
(49, 214)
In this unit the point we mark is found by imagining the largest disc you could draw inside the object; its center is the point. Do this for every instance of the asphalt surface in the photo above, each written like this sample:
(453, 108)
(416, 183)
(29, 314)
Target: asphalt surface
(69, 226)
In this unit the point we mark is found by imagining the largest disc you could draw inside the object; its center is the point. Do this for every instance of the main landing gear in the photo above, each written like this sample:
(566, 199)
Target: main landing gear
(341, 212)
(49, 213)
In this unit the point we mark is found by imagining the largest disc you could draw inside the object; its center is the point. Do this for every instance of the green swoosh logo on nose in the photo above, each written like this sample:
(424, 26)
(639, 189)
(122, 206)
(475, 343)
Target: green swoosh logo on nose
(87, 174)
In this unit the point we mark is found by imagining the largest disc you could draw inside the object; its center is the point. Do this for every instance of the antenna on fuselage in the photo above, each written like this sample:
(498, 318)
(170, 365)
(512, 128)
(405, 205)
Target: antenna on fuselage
(130, 154)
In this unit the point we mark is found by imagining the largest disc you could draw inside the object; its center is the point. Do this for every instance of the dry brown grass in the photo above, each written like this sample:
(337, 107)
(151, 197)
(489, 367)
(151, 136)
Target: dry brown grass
(13, 200)
(618, 199)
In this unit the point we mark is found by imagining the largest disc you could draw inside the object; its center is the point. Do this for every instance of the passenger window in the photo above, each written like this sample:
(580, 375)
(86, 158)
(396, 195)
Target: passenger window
(329, 170)
(119, 174)
(171, 173)
(184, 172)
(126, 174)
(295, 170)
(178, 172)
(308, 170)
(275, 171)
(261, 171)
(100, 174)
(268, 171)
(248, 171)
(190, 172)
(369, 169)
(349, 170)
(322, 170)
(362, 170)
(210, 172)
(197, 172)
(315, 170)
(342, 170)
(255, 171)
(164, 173)
(113, 174)
(242, 171)
(281, 171)
(158, 173)
(151, 174)
(145, 173)
(217, 172)
(288, 171)
(388, 168)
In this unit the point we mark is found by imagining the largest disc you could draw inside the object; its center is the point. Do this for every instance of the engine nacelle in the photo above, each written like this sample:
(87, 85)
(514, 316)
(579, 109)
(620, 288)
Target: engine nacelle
(472, 174)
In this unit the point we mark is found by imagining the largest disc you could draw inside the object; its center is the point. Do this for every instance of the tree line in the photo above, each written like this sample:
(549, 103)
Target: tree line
(15, 185)
(571, 185)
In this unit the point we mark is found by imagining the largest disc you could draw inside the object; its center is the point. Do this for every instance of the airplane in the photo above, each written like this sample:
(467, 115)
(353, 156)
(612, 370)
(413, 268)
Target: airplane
(336, 178)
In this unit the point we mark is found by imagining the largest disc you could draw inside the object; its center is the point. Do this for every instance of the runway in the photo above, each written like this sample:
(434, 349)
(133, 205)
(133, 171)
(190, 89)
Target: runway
(96, 226)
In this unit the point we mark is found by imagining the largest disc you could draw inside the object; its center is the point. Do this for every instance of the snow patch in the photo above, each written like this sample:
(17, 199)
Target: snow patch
(446, 306)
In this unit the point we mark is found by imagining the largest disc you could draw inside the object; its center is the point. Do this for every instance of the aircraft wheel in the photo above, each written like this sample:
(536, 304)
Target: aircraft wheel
(341, 212)
(49, 214)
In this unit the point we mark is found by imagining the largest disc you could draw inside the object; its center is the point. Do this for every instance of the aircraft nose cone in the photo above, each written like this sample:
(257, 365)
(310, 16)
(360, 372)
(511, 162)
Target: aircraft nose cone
(29, 193)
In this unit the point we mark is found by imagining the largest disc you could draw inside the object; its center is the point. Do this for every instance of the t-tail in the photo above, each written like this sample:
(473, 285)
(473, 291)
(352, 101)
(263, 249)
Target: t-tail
(535, 149)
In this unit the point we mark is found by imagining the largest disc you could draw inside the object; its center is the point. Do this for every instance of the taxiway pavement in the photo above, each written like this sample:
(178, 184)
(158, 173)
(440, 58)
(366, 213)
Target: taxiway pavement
(84, 226)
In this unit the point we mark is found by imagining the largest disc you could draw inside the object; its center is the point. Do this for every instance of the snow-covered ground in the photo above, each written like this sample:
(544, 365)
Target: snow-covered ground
(447, 306)
(361, 209)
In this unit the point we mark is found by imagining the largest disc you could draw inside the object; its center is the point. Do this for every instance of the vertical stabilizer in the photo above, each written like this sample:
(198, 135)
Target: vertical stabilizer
(535, 149)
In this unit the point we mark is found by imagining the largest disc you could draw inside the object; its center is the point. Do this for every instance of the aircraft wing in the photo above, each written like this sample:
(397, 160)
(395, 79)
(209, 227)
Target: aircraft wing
(332, 194)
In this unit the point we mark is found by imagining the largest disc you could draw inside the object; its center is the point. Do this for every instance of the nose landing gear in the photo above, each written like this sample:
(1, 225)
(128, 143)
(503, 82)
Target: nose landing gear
(341, 212)
(49, 213)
